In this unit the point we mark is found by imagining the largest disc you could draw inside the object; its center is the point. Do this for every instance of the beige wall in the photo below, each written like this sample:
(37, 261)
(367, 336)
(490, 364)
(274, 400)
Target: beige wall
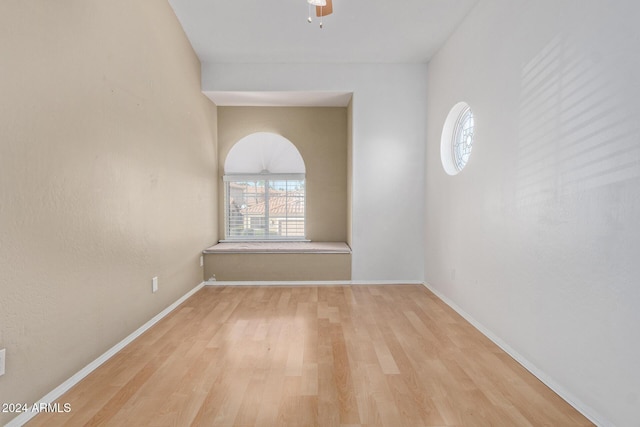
(278, 267)
(107, 178)
(349, 170)
(320, 134)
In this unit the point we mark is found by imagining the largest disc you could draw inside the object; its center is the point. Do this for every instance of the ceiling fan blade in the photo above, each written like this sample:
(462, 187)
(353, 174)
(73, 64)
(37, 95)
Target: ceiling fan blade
(325, 10)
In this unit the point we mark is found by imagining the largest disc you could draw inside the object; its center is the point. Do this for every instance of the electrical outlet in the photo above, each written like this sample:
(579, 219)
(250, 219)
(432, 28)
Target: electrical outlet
(201, 261)
(3, 357)
(154, 284)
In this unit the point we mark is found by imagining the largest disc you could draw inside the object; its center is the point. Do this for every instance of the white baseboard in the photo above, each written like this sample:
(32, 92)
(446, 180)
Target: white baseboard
(572, 400)
(76, 378)
(313, 282)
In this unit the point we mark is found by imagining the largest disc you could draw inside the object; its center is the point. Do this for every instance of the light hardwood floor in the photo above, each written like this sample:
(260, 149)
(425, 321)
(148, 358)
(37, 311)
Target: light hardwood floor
(312, 356)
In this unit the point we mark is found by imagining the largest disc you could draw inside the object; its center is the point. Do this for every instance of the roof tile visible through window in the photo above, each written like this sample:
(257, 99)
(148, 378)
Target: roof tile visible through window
(279, 204)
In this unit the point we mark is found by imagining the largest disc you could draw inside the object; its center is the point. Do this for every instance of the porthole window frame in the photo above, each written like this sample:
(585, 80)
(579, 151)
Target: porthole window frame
(455, 132)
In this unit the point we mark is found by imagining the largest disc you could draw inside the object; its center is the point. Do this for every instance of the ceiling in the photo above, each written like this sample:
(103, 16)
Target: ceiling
(277, 31)
(358, 31)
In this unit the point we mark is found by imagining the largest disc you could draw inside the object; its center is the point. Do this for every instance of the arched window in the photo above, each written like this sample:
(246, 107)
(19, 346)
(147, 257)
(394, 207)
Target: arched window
(457, 138)
(264, 177)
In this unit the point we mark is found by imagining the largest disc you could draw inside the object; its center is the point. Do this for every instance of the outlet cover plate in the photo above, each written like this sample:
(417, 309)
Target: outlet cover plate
(154, 284)
(3, 356)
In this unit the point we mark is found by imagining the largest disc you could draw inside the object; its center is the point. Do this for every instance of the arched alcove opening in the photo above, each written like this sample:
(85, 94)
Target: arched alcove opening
(265, 192)
(263, 151)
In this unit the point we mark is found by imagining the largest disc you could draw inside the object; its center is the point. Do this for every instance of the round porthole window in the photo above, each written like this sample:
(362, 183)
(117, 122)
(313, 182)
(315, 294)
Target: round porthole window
(457, 138)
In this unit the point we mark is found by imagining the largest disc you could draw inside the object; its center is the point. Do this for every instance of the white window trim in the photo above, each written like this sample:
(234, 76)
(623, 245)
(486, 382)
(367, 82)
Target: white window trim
(264, 176)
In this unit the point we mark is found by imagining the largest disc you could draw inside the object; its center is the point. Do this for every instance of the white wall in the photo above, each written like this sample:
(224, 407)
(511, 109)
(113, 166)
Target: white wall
(538, 239)
(389, 130)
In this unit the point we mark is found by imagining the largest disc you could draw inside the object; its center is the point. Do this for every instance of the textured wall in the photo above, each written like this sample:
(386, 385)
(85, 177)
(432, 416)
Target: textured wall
(278, 267)
(538, 237)
(107, 178)
(320, 135)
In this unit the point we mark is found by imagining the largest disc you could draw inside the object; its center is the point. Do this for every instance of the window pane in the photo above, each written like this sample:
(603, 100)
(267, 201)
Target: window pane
(265, 209)
(463, 139)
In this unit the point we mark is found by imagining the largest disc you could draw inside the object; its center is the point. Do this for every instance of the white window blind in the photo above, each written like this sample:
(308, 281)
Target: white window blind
(265, 207)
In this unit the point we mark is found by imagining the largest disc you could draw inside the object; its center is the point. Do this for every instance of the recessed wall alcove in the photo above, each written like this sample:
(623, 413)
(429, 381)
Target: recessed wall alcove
(313, 141)
(320, 135)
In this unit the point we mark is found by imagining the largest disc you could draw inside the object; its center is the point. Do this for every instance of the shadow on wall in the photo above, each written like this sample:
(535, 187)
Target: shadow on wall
(574, 132)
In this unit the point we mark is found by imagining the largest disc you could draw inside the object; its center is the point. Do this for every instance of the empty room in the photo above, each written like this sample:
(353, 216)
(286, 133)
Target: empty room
(319, 213)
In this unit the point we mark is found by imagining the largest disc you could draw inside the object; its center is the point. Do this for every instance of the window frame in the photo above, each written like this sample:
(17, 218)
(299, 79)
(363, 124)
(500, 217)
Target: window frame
(266, 177)
(453, 131)
(460, 133)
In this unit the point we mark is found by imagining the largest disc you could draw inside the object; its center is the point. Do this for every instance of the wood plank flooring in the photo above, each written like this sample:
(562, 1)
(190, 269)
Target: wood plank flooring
(312, 356)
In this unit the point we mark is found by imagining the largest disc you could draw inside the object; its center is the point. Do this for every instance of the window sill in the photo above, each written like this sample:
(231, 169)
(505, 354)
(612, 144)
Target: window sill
(280, 247)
